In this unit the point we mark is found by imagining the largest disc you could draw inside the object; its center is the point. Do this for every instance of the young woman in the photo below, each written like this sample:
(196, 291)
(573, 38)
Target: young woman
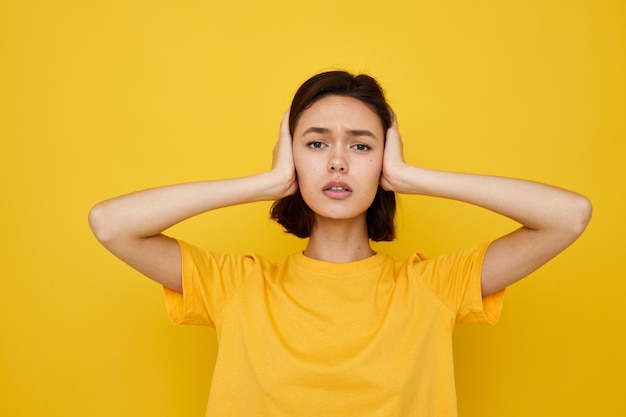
(337, 330)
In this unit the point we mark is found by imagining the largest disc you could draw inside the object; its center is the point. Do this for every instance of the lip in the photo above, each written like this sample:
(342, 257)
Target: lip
(341, 191)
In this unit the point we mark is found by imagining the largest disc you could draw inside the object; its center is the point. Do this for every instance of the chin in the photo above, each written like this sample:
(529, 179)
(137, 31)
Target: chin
(340, 215)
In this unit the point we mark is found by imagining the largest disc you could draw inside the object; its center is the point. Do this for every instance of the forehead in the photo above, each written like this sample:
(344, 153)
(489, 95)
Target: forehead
(339, 112)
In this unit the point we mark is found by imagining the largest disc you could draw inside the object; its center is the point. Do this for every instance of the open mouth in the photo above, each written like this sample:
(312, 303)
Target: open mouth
(337, 187)
(337, 190)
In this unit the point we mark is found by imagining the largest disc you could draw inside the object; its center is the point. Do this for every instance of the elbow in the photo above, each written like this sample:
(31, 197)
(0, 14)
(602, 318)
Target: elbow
(581, 214)
(100, 222)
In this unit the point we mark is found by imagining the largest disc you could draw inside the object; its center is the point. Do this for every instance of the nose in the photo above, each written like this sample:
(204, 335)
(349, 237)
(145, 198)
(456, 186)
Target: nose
(337, 164)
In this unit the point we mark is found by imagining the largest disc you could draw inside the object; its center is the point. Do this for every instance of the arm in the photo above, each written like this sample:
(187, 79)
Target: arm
(551, 218)
(131, 226)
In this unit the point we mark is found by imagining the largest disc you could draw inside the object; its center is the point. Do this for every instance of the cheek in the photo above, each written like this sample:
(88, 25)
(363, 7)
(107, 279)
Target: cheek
(305, 163)
(299, 160)
(375, 166)
(304, 172)
(377, 163)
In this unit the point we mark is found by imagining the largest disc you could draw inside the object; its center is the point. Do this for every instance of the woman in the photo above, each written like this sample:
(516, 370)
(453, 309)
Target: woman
(337, 330)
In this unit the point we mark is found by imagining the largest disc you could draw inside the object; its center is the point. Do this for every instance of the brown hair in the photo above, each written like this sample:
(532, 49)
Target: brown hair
(292, 212)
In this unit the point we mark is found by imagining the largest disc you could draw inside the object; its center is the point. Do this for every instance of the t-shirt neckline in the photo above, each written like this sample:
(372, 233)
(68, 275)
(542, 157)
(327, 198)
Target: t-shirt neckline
(326, 267)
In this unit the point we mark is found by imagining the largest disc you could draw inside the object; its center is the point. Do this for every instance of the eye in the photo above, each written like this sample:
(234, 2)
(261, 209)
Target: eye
(314, 144)
(362, 147)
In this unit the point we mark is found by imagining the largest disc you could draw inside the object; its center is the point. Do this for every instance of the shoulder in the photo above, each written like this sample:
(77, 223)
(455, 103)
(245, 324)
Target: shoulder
(472, 256)
(197, 257)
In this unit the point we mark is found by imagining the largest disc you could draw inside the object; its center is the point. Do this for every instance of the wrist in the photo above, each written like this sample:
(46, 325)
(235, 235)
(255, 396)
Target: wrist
(278, 185)
(404, 179)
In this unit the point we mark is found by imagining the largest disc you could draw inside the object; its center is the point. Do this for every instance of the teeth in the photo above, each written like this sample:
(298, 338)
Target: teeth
(337, 189)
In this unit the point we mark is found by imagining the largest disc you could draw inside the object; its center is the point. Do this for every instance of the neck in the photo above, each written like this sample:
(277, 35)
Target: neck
(339, 241)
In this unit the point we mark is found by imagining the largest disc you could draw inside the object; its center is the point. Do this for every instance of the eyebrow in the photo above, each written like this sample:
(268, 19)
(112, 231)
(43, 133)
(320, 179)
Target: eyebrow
(351, 132)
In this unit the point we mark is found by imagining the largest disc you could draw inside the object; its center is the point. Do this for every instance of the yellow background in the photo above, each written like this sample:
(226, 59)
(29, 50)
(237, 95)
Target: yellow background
(103, 98)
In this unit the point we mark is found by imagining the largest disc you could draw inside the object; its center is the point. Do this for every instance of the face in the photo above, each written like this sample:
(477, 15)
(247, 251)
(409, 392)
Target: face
(338, 146)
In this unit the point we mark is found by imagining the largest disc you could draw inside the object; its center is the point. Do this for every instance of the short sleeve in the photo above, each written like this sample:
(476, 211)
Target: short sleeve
(456, 281)
(209, 280)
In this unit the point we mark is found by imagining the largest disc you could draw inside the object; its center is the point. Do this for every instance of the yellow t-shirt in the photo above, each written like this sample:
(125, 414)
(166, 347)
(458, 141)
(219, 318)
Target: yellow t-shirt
(304, 337)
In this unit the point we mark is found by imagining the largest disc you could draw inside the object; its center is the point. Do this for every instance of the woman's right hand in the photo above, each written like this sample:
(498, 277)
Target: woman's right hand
(282, 165)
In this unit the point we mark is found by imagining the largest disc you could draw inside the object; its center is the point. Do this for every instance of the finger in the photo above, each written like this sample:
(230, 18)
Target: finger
(394, 145)
(283, 145)
(394, 119)
(284, 125)
(393, 135)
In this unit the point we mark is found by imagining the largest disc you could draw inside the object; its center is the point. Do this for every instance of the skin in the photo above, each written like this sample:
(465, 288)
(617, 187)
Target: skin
(551, 218)
(338, 141)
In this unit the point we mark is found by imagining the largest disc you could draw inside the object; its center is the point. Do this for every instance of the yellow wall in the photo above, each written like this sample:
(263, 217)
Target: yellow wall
(102, 98)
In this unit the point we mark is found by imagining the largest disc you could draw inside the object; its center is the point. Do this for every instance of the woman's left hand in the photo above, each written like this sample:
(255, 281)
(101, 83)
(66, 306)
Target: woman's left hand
(393, 159)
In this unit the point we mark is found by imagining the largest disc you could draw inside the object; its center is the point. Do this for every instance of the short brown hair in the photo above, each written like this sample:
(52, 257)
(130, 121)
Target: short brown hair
(292, 212)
